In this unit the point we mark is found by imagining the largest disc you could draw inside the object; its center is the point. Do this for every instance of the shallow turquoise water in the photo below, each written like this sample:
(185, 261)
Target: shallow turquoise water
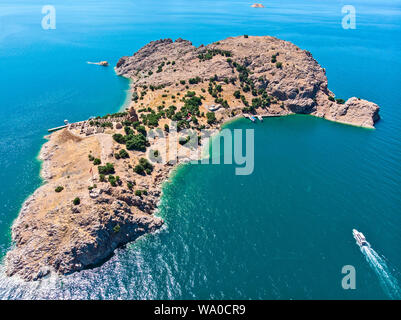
(283, 232)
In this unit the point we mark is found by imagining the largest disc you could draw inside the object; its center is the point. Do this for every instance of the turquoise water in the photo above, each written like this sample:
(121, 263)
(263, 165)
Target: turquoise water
(283, 232)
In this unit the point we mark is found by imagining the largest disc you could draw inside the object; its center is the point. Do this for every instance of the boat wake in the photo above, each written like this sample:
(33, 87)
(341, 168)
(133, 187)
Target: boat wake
(388, 282)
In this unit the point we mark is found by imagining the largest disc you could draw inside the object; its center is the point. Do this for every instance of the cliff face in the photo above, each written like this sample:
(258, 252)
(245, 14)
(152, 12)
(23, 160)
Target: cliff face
(278, 67)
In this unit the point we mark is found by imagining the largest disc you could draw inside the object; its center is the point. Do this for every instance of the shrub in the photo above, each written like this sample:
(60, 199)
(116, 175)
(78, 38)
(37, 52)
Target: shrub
(184, 140)
(279, 65)
(166, 127)
(154, 155)
(138, 193)
(123, 154)
(146, 164)
(114, 180)
(107, 125)
(130, 185)
(119, 138)
(237, 94)
(128, 130)
(107, 169)
(59, 189)
(244, 101)
(90, 157)
(139, 169)
(194, 80)
(211, 118)
(210, 53)
(246, 36)
(137, 142)
(116, 228)
(331, 98)
(102, 178)
(340, 101)
(96, 161)
(141, 129)
(76, 201)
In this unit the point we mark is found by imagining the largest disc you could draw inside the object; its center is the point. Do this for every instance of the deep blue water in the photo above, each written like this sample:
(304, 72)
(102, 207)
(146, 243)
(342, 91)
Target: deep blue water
(283, 232)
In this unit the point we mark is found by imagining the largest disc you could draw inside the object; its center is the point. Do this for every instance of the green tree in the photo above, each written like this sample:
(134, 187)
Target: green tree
(137, 142)
(123, 154)
(119, 138)
(211, 118)
(107, 169)
(139, 169)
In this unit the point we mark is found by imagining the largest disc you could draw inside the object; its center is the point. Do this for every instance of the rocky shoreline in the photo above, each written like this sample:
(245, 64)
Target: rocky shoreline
(102, 187)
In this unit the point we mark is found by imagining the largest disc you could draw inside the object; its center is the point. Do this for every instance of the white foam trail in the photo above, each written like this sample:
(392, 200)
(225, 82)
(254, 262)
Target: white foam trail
(388, 282)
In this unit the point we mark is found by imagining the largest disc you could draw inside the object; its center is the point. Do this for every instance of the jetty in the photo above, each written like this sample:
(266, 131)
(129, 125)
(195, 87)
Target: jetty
(57, 128)
(92, 125)
(260, 116)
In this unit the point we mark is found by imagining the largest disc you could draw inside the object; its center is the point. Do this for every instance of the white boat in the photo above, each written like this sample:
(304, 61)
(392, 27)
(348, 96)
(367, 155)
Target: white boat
(360, 238)
(260, 118)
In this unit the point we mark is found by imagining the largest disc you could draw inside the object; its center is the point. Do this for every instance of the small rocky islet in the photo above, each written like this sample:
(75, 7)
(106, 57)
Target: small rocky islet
(102, 182)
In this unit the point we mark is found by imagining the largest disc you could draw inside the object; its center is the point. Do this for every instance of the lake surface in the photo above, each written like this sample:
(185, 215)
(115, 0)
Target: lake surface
(283, 232)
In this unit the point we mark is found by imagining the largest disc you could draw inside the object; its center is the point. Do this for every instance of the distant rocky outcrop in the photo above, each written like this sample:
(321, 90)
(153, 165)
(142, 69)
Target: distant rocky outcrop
(257, 5)
(100, 63)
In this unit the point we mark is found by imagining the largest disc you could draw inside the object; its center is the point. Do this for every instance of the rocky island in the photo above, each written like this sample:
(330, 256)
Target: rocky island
(104, 175)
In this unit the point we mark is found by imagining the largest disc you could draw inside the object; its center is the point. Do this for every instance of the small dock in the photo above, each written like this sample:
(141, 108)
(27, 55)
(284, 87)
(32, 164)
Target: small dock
(249, 116)
(260, 116)
(270, 115)
(57, 128)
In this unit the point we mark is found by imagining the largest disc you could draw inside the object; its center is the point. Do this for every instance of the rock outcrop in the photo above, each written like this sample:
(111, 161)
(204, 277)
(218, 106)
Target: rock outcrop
(257, 5)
